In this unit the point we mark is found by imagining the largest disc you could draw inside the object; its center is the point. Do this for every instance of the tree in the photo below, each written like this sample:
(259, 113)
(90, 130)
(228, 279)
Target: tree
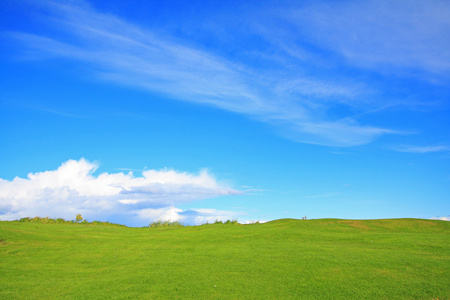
(79, 218)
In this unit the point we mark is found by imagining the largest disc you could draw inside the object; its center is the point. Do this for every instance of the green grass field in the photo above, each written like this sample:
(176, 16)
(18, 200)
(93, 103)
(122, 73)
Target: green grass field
(313, 259)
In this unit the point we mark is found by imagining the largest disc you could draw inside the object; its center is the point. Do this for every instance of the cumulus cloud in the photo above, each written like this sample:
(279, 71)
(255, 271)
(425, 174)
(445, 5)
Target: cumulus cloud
(73, 188)
(191, 216)
(253, 221)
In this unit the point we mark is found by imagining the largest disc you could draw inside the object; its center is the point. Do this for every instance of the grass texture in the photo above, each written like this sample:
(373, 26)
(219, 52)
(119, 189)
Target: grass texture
(283, 259)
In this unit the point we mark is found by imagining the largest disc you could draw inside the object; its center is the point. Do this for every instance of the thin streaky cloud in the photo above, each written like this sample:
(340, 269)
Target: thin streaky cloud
(119, 51)
(44, 109)
(387, 36)
(322, 196)
(340, 153)
(421, 149)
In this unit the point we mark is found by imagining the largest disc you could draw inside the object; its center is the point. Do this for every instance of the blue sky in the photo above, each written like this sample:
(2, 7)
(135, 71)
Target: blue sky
(195, 111)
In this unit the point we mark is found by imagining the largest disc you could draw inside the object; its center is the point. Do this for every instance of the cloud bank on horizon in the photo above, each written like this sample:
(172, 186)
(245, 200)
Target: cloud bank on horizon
(73, 188)
(279, 80)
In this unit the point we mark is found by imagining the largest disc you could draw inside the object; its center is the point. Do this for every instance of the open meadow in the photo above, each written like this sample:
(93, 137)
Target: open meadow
(312, 259)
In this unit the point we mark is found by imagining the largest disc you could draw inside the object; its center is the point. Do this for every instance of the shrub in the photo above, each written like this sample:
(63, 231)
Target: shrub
(79, 218)
(231, 222)
(157, 224)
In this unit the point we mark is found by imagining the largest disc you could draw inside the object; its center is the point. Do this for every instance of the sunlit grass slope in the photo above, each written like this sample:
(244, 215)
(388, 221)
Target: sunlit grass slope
(313, 259)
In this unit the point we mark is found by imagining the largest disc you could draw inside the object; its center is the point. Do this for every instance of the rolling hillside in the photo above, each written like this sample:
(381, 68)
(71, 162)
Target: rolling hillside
(313, 259)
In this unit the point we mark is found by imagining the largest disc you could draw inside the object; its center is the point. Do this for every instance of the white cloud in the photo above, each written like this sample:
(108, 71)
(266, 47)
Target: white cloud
(119, 51)
(441, 218)
(160, 214)
(337, 133)
(421, 149)
(322, 195)
(204, 215)
(401, 35)
(191, 216)
(253, 221)
(73, 188)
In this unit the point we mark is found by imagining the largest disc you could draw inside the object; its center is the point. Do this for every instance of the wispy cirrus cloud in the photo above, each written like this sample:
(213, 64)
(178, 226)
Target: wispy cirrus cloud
(386, 36)
(285, 95)
(421, 149)
(44, 109)
(73, 188)
(322, 195)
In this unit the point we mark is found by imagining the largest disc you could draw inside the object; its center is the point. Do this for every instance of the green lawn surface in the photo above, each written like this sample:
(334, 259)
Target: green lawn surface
(283, 259)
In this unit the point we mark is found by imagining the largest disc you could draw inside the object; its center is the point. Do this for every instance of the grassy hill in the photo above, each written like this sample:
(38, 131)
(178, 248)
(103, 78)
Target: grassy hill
(313, 259)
